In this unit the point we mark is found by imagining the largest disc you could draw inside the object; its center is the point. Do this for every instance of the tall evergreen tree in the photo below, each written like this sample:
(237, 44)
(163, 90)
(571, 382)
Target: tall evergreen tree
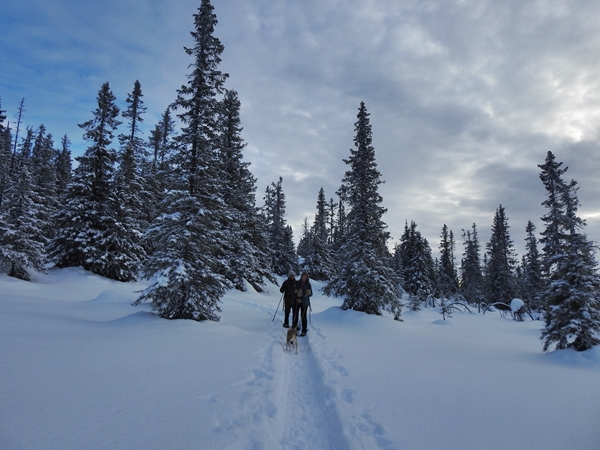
(305, 243)
(500, 269)
(340, 228)
(86, 222)
(365, 279)
(188, 238)
(129, 183)
(532, 282)
(130, 194)
(280, 237)
(417, 266)
(551, 176)
(19, 118)
(22, 231)
(572, 315)
(5, 156)
(447, 278)
(63, 165)
(471, 283)
(318, 259)
(158, 172)
(247, 251)
(42, 168)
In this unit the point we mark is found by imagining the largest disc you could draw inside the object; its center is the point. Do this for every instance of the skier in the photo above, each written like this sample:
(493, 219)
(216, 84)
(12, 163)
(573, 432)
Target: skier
(302, 302)
(288, 289)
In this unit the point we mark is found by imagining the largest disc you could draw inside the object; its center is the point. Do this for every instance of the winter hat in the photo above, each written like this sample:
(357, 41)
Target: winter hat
(291, 274)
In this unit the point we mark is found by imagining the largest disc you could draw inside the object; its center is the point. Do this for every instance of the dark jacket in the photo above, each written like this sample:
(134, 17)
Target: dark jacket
(304, 292)
(288, 289)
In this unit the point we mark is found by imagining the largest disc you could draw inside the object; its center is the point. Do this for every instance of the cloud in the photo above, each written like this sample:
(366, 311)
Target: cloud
(466, 97)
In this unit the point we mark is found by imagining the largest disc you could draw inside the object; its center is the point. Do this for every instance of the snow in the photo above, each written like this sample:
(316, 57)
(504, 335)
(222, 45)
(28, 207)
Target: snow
(83, 369)
(516, 304)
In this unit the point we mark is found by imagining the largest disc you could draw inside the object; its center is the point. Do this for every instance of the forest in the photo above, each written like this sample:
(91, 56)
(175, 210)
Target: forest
(180, 209)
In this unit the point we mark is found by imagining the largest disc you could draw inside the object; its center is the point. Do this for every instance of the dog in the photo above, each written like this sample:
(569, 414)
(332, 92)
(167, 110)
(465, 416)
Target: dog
(291, 339)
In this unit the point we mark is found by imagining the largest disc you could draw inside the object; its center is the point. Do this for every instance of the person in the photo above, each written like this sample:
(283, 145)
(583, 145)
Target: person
(288, 289)
(302, 302)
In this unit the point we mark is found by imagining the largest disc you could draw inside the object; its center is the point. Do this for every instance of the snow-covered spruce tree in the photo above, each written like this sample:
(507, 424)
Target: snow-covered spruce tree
(22, 231)
(42, 168)
(305, 242)
(532, 282)
(572, 315)
(396, 263)
(417, 266)
(187, 237)
(157, 172)
(552, 235)
(130, 185)
(471, 282)
(247, 251)
(5, 156)
(501, 262)
(318, 259)
(365, 279)
(23, 150)
(129, 194)
(280, 237)
(63, 165)
(86, 222)
(447, 279)
(161, 139)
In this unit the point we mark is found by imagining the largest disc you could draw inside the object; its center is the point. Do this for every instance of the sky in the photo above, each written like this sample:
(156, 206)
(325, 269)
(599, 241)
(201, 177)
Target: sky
(465, 97)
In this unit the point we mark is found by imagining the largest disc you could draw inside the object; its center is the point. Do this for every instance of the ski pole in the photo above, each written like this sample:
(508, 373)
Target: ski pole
(277, 308)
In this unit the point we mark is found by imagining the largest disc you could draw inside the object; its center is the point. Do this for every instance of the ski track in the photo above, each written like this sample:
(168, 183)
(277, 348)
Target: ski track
(297, 401)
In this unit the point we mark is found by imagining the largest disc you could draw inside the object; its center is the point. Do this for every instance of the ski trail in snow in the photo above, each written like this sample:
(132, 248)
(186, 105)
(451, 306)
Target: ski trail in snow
(359, 427)
(309, 419)
(296, 401)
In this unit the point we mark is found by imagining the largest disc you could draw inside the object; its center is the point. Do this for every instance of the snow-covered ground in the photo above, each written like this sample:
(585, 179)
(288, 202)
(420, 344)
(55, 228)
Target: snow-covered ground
(82, 369)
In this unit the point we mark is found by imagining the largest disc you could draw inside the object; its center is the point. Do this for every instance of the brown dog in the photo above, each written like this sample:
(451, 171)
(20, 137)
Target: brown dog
(291, 339)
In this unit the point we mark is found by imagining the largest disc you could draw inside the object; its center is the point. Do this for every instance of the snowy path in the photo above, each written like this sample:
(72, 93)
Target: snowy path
(298, 400)
(308, 418)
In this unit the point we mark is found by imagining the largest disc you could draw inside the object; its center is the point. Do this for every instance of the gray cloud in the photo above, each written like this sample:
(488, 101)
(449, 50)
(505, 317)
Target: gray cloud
(466, 97)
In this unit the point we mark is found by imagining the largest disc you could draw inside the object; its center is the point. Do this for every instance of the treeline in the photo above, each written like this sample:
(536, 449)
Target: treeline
(346, 246)
(180, 209)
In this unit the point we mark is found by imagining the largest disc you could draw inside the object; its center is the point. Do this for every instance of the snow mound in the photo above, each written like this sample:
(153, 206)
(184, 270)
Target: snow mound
(516, 304)
(109, 297)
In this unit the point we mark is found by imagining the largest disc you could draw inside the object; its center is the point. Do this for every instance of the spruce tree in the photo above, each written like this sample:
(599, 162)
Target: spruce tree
(572, 315)
(247, 251)
(305, 243)
(471, 283)
(86, 222)
(501, 261)
(16, 139)
(42, 168)
(364, 278)
(63, 165)
(5, 156)
(280, 236)
(318, 259)
(158, 172)
(189, 243)
(22, 231)
(339, 228)
(417, 266)
(532, 282)
(447, 279)
(129, 193)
